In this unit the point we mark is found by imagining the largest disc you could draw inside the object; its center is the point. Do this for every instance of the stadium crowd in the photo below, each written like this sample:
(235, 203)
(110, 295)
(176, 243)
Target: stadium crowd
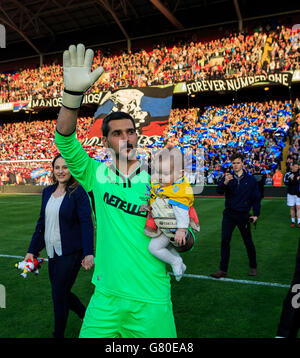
(233, 55)
(207, 136)
(34, 142)
(294, 137)
(260, 129)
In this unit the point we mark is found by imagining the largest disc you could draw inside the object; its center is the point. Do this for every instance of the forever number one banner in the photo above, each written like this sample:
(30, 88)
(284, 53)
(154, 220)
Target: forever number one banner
(234, 84)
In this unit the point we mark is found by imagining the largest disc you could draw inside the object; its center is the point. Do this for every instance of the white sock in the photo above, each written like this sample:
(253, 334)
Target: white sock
(177, 268)
(166, 252)
(179, 276)
(298, 220)
(293, 220)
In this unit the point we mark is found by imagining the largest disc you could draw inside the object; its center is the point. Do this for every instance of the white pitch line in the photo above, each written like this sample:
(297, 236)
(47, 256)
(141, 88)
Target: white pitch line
(258, 283)
(264, 199)
(249, 282)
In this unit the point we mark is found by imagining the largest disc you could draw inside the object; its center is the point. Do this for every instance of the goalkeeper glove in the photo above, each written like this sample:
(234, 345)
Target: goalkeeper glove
(78, 77)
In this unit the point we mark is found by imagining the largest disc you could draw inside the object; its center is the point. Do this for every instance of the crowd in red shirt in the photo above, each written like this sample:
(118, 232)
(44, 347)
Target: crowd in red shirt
(229, 56)
(260, 127)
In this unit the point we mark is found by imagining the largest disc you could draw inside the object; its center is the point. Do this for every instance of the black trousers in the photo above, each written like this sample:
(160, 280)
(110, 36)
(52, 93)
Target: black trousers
(63, 271)
(289, 324)
(231, 219)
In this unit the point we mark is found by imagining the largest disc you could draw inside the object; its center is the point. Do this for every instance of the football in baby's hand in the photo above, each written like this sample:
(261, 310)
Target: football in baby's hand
(189, 243)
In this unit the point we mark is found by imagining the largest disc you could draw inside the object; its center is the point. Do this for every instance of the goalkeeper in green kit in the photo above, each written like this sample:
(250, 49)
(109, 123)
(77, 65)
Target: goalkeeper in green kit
(132, 296)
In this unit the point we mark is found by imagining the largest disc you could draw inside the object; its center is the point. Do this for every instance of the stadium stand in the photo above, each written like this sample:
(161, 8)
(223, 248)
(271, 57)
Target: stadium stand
(235, 55)
(259, 129)
(196, 48)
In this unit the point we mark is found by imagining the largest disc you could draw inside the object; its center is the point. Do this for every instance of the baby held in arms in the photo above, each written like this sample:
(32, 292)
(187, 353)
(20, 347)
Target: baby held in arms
(171, 214)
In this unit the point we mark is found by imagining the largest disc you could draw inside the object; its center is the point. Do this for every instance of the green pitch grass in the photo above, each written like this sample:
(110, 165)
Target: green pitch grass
(203, 308)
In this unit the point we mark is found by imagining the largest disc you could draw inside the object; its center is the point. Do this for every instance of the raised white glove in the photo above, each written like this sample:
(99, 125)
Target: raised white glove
(78, 77)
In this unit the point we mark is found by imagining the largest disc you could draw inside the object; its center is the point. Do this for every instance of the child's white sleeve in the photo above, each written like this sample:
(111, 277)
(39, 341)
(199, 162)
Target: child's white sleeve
(182, 217)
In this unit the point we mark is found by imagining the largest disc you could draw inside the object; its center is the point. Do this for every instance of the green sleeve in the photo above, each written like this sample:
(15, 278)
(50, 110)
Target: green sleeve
(81, 166)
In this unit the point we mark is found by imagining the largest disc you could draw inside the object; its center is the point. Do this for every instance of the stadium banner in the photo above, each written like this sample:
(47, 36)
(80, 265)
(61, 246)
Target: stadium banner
(6, 106)
(234, 84)
(296, 75)
(180, 87)
(149, 106)
(17, 106)
(90, 98)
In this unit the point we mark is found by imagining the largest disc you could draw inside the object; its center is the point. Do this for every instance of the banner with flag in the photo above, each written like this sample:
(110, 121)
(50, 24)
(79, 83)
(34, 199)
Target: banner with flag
(149, 106)
(17, 106)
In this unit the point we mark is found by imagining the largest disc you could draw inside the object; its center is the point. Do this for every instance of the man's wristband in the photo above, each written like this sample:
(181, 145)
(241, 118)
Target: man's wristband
(72, 99)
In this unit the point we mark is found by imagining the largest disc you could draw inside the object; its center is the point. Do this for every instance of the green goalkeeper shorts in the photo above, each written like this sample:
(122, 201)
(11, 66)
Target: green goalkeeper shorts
(110, 316)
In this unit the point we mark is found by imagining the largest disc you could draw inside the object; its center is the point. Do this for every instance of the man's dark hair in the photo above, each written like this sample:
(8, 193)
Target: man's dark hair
(237, 155)
(114, 116)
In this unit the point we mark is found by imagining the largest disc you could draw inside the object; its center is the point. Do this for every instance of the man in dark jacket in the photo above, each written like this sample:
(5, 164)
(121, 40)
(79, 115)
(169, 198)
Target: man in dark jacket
(241, 193)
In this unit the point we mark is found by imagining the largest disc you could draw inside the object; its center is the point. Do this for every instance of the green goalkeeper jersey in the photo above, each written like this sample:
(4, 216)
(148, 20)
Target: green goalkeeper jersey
(123, 264)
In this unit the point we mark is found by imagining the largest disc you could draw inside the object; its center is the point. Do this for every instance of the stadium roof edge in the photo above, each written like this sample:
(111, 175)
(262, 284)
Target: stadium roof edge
(154, 35)
(50, 26)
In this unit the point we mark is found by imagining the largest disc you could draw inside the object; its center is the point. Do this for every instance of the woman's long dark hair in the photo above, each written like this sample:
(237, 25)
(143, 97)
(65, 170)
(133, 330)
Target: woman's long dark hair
(72, 184)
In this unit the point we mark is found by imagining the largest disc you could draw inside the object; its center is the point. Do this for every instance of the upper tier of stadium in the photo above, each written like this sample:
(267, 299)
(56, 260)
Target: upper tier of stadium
(261, 52)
